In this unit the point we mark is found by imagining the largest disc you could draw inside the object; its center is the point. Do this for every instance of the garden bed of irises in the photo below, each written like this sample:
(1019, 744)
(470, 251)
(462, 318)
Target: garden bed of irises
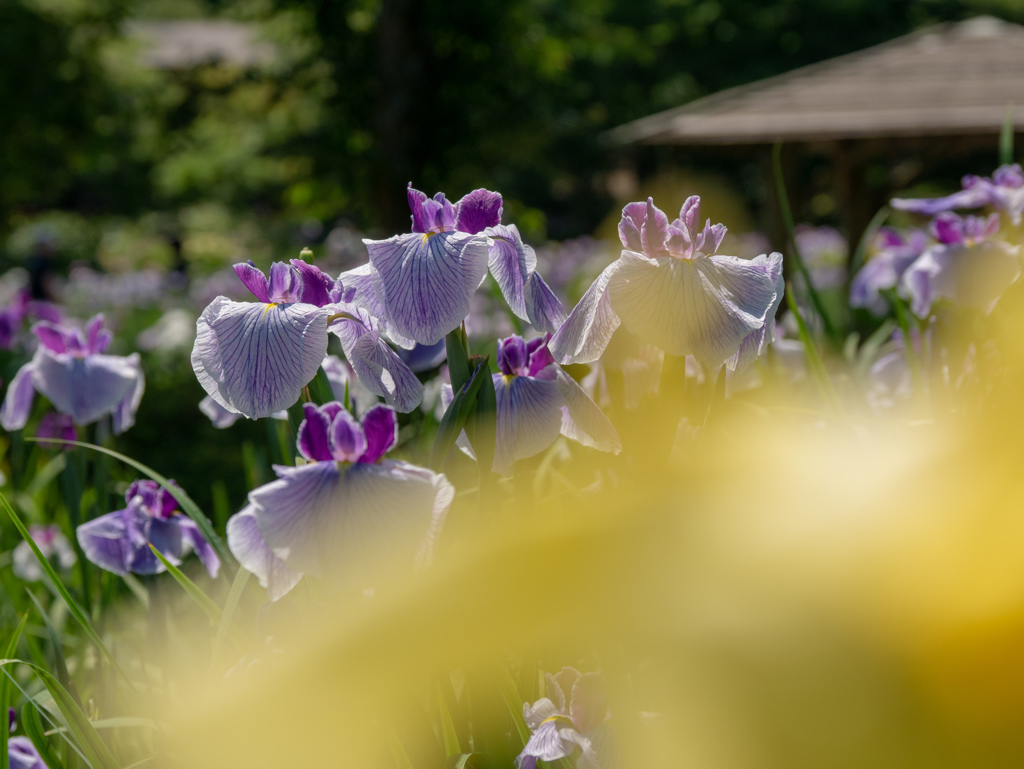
(425, 477)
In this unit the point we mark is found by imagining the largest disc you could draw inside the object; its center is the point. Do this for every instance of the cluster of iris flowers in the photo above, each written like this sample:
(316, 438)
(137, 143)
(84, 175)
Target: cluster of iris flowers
(328, 517)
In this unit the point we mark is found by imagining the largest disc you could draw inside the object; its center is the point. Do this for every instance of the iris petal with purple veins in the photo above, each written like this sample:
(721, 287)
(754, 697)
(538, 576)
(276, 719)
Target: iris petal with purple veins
(894, 253)
(566, 721)
(22, 754)
(119, 541)
(755, 343)
(256, 556)
(338, 516)
(70, 368)
(670, 289)
(1004, 191)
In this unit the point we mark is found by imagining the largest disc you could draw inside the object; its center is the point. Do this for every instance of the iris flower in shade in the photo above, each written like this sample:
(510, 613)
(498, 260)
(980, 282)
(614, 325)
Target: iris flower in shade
(670, 289)
(421, 284)
(51, 543)
(894, 253)
(55, 425)
(119, 541)
(562, 726)
(1004, 191)
(536, 402)
(345, 512)
(22, 754)
(965, 267)
(70, 367)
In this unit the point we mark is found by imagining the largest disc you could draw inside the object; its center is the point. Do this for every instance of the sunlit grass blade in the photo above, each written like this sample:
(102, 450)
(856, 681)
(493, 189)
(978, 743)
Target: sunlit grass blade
(94, 749)
(457, 349)
(188, 506)
(1006, 138)
(814, 361)
(398, 751)
(5, 692)
(458, 762)
(454, 419)
(797, 258)
(448, 733)
(32, 725)
(234, 596)
(59, 663)
(510, 694)
(76, 610)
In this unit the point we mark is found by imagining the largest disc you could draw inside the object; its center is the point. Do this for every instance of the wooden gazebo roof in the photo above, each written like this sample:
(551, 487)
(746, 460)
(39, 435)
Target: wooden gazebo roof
(946, 80)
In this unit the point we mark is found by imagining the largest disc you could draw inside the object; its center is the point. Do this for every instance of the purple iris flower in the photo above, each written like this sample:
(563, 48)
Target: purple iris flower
(54, 425)
(346, 510)
(670, 289)
(536, 402)
(894, 253)
(71, 369)
(421, 283)
(1004, 191)
(424, 357)
(22, 754)
(254, 358)
(119, 541)
(563, 725)
(965, 266)
(11, 318)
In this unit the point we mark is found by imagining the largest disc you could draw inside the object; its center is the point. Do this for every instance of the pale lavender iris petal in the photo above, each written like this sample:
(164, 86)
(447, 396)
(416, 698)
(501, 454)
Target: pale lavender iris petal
(589, 705)
(529, 418)
(425, 282)
(380, 425)
(754, 343)
(314, 439)
(123, 416)
(477, 211)
(586, 332)
(702, 307)
(164, 534)
(103, 541)
(378, 366)
(85, 388)
(22, 754)
(881, 273)
(254, 554)
(253, 279)
(654, 233)
(546, 744)
(974, 197)
(256, 358)
(18, 402)
(582, 419)
(97, 339)
(194, 539)
(416, 200)
(534, 715)
(511, 262)
(327, 522)
(348, 442)
(972, 276)
(360, 282)
(543, 309)
(218, 415)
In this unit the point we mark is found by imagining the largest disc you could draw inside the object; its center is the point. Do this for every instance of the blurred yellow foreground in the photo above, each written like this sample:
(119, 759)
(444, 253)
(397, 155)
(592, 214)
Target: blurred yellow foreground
(799, 594)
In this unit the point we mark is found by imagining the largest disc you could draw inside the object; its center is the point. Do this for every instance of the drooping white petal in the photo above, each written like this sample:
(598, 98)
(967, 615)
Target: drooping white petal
(583, 420)
(85, 388)
(586, 332)
(425, 282)
(254, 359)
(754, 344)
(511, 261)
(703, 306)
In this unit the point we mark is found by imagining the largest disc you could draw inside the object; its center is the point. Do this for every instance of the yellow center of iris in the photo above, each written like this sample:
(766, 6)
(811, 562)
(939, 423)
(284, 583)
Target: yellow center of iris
(267, 307)
(558, 717)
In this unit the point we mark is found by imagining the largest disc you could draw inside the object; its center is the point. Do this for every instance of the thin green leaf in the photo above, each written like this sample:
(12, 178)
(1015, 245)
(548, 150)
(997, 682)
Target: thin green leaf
(73, 607)
(454, 419)
(320, 388)
(55, 641)
(903, 321)
(1006, 138)
(787, 220)
(510, 694)
(32, 725)
(234, 596)
(448, 733)
(189, 507)
(94, 749)
(121, 722)
(814, 362)
(861, 252)
(5, 692)
(481, 429)
(398, 751)
(458, 762)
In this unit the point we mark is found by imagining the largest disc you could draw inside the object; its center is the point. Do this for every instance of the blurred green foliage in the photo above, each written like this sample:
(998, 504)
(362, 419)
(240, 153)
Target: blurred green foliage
(363, 96)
